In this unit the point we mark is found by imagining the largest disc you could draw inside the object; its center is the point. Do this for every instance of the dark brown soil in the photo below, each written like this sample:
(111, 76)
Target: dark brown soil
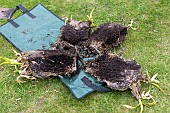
(47, 63)
(108, 35)
(116, 72)
(75, 32)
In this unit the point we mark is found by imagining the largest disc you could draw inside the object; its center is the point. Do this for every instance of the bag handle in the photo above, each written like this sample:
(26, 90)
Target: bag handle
(89, 83)
(24, 10)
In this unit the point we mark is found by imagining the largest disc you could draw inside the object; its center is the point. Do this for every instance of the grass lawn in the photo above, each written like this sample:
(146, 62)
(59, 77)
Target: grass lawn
(149, 46)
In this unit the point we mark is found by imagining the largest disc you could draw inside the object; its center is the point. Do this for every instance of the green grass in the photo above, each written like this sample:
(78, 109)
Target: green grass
(149, 46)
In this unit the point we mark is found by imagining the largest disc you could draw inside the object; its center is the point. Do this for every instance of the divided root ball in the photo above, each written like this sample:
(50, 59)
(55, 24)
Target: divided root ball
(117, 73)
(74, 32)
(107, 36)
(46, 63)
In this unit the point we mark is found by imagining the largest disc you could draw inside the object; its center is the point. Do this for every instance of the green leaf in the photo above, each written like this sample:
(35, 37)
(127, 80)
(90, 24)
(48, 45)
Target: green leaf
(141, 106)
(9, 61)
(129, 107)
(150, 104)
(156, 85)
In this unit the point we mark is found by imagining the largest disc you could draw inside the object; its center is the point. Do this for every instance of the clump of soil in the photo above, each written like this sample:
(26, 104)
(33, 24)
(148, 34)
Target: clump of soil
(77, 34)
(46, 63)
(107, 36)
(74, 32)
(118, 73)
